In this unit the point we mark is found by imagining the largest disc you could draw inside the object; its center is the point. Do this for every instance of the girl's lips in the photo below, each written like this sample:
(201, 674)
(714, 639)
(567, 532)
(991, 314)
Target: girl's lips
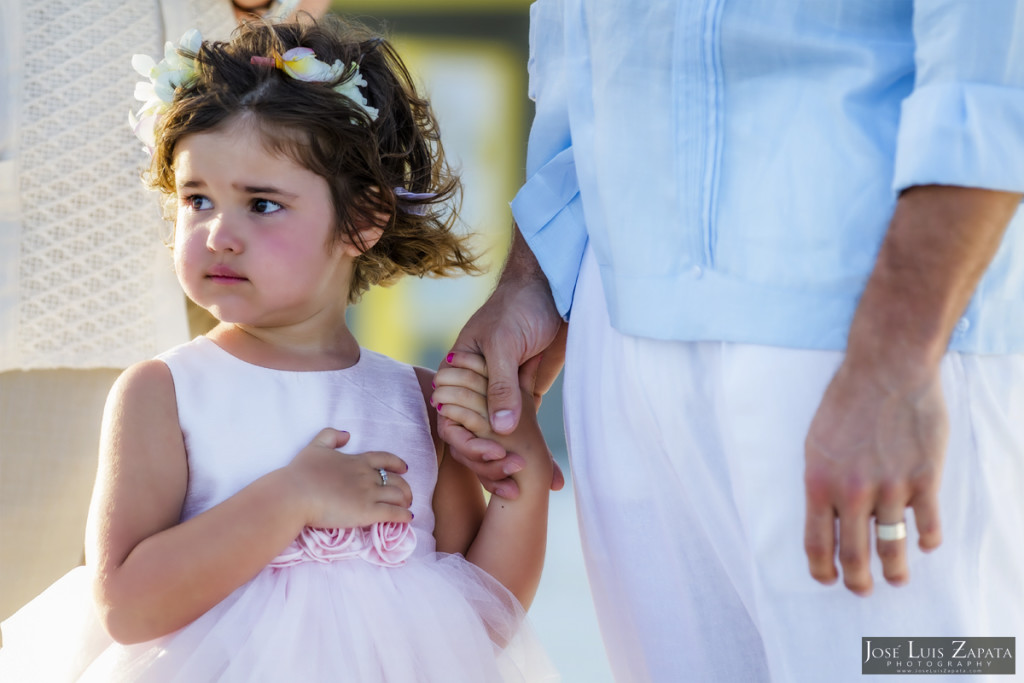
(224, 274)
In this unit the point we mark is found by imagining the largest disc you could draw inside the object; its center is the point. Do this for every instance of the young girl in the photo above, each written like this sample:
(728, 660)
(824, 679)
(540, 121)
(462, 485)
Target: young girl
(272, 502)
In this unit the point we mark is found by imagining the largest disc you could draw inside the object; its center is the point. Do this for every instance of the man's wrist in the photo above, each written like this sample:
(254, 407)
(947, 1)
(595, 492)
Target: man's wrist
(521, 265)
(939, 243)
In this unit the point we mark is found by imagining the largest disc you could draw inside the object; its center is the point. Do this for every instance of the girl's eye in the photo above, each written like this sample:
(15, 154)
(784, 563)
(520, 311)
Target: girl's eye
(265, 206)
(197, 202)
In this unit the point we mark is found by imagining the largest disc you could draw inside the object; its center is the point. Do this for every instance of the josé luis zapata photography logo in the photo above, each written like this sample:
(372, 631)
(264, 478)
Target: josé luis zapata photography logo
(938, 655)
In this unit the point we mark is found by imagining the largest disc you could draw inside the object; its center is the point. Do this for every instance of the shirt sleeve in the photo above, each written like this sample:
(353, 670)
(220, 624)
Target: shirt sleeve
(963, 124)
(547, 208)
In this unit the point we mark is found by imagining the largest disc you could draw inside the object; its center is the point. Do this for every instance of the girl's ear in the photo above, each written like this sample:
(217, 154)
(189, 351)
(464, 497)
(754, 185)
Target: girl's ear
(369, 235)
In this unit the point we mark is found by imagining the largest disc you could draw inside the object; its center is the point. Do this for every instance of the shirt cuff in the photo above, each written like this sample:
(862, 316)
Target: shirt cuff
(549, 214)
(970, 135)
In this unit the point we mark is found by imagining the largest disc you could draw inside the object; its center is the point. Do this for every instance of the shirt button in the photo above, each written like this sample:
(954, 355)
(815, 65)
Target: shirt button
(962, 326)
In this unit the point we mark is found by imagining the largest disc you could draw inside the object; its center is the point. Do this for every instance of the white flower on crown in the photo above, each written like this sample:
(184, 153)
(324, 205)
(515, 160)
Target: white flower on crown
(301, 64)
(350, 88)
(175, 70)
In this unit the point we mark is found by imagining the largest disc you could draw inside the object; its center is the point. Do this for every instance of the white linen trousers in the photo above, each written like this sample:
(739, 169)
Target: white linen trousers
(687, 460)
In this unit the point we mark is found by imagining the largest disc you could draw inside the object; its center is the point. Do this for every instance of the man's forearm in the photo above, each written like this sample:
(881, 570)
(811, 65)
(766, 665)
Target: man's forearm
(940, 241)
(521, 264)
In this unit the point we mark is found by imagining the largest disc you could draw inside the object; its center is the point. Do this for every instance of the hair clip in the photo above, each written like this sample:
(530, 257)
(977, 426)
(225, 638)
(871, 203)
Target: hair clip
(408, 202)
(371, 45)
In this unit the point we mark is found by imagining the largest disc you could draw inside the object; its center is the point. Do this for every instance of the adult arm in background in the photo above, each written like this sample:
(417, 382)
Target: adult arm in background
(877, 442)
(519, 322)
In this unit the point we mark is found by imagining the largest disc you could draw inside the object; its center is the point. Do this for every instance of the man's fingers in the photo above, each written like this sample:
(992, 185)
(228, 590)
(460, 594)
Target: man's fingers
(926, 517)
(551, 362)
(820, 544)
(855, 551)
(891, 545)
(528, 375)
(891, 531)
(557, 478)
(819, 524)
(505, 488)
(486, 459)
(503, 398)
(498, 470)
(465, 445)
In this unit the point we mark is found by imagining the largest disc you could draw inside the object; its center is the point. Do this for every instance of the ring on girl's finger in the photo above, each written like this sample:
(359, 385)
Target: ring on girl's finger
(383, 476)
(891, 532)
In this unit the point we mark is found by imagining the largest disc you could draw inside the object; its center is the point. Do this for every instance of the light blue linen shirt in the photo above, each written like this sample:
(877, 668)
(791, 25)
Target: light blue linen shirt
(734, 163)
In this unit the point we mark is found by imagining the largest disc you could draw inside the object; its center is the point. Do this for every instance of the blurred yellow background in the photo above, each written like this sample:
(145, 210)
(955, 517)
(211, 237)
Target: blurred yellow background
(469, 57)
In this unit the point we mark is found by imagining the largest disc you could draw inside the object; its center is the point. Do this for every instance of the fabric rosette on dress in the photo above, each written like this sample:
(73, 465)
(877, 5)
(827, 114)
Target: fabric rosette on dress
(388, 544)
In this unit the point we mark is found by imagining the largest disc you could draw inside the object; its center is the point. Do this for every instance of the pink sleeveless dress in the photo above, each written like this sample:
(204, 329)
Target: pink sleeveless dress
(370, 604)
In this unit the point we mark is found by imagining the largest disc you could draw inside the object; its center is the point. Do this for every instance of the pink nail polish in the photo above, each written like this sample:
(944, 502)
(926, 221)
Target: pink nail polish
(433, 385)
(439, 406)
(449, 357)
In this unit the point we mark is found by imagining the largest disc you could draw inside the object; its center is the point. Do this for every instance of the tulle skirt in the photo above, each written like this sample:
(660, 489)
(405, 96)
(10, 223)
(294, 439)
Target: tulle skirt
(437, 618)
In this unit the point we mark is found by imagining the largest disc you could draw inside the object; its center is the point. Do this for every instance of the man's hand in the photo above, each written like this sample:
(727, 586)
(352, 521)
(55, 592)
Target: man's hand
(517, 324)
(877, 442)
(875, 447)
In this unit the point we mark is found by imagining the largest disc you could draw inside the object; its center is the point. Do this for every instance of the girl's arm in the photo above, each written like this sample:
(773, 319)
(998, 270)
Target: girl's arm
(152, 574)
(512, 536)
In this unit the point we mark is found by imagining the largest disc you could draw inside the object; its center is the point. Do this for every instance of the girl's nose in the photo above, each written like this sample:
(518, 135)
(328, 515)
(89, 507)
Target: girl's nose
(223, 235)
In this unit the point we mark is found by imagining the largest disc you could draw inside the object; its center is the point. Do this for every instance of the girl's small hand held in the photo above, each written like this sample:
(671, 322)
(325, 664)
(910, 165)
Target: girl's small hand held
(460, 395)
(341, 490)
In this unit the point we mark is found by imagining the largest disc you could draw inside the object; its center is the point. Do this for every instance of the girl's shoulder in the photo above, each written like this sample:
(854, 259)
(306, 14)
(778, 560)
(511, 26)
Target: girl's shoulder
(143, 393)
(143, 379)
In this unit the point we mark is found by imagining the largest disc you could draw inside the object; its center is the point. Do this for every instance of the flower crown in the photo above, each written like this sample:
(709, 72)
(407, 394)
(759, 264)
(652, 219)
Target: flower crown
(178, 70)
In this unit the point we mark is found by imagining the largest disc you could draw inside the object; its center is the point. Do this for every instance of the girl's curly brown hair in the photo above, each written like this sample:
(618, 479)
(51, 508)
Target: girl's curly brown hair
(362, 160)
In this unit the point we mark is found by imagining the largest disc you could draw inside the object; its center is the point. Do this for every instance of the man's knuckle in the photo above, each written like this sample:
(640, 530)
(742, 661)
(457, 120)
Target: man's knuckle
(855, 492)
(818, 548)
(853, 559)
(501, 390)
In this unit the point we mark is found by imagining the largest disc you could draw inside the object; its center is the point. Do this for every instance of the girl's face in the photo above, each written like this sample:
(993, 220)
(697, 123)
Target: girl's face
(253, 232)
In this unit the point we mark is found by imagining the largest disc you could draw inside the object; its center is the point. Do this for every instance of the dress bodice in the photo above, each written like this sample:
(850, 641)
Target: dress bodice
(241, 421)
